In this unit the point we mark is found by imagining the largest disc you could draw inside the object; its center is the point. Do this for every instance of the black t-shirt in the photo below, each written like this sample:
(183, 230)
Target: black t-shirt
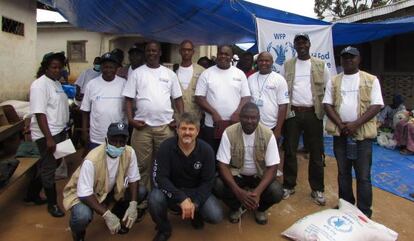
(180, 176)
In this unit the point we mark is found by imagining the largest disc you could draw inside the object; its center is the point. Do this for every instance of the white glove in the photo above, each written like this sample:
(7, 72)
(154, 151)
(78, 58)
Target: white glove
(112, 222)
(131, 214)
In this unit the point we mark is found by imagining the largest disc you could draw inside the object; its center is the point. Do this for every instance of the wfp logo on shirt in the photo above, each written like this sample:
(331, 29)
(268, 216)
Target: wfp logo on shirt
(281, 50)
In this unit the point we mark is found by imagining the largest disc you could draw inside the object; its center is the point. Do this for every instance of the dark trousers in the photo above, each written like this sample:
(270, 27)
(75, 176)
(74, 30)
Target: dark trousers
(82, 214)
(207, 134)
(362, 167)
(158, 204)
(313, 132)
(271, 195)
(47, 164)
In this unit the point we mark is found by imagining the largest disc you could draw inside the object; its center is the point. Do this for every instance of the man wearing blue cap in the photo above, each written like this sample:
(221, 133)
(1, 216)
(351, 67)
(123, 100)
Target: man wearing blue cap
(103, 102)
(352, 100)
(103, 177)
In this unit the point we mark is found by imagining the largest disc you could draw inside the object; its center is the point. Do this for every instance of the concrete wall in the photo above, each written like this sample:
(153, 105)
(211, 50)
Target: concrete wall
(17, 53)
(55, 39)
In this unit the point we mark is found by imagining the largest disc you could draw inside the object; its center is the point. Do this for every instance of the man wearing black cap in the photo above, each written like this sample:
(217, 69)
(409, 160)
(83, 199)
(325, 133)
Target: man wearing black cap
(136, 58)
(352, 100)
(104, 176)
(103, 102)
(306, 77)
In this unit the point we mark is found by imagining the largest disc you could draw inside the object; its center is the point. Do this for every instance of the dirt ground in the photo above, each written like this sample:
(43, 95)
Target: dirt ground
(19, 221)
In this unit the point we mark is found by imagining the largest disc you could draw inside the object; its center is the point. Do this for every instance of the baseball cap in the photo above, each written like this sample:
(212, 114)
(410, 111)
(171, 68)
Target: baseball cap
(118, 128)
(301, 35)
(109, 57)
(350, 50)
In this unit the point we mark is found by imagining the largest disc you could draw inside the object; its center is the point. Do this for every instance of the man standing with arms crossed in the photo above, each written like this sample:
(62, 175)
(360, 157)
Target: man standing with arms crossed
(306, 78)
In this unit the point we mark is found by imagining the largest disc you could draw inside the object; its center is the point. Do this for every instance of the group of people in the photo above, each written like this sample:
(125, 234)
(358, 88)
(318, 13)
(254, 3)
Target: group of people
(168, 167)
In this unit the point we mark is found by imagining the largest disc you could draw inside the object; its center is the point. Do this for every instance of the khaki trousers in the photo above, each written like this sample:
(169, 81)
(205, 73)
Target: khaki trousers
(146, 142)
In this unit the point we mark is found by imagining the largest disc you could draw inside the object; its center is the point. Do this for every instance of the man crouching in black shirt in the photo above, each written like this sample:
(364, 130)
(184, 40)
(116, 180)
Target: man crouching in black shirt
(183, 177)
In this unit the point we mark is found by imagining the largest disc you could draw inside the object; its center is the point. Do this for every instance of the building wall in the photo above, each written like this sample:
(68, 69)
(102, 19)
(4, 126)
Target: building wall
(17, 53)
(54, 39)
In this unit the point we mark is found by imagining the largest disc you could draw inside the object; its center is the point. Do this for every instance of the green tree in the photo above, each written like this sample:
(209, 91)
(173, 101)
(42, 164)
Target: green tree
(335, 9)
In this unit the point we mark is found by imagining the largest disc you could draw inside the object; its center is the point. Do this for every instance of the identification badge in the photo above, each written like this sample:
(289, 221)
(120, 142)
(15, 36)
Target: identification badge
(291, 114)
(259, 102)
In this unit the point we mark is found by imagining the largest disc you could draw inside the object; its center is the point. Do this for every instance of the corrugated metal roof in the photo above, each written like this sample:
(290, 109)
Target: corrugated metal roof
(376, 12)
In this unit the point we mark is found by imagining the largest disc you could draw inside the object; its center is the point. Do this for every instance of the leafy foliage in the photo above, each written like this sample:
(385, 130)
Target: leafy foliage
(335, 9)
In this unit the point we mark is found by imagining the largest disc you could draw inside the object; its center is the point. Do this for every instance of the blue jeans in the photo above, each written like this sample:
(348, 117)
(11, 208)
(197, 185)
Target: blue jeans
(362, 167)
(158, 204)
(82, 214)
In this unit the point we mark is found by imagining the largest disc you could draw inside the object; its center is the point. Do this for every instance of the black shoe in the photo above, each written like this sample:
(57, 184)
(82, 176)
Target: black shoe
(78, 236)
(161, 236)
(55, 211)
(141, 214)
(123, 230)
(197, 223)
(36, 200)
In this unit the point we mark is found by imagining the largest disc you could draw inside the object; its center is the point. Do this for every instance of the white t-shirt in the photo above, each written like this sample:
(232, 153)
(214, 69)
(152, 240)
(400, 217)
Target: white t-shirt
(185, 74)
(350, 94)
(249, 167)
(268, 92)
(87, 174)
(301, 90)
(105, 102)
(85, 77)
(47, 97)
(223, 90)
(153, 90)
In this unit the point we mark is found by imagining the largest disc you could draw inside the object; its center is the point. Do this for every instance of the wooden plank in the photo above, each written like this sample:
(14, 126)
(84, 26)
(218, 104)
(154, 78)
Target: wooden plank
(25, 164)
(9, 130)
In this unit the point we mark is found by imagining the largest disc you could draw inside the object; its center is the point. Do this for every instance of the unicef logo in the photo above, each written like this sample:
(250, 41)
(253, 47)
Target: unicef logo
(340, 224)
(282, 52)
(121, 126)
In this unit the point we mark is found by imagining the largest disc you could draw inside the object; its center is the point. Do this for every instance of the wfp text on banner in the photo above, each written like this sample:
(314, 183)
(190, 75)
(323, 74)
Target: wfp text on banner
(277, 39)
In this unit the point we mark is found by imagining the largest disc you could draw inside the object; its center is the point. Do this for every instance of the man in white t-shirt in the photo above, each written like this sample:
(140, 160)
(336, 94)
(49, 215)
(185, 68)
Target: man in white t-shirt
(188, 74)
(352, 100)
(247, 161)
(306, 77)
(152, 86)
(84, 78)
(103, 102)
(104, 176)
(270, 93)
(221, 92)
(136, 58)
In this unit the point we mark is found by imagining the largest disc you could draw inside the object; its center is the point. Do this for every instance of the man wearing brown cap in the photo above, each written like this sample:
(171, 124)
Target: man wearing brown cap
(352, 100)
(306, 77)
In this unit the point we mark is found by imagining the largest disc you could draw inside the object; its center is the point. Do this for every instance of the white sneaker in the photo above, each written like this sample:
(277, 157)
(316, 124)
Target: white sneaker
(318, 197)
(235, 216)
(287, 193)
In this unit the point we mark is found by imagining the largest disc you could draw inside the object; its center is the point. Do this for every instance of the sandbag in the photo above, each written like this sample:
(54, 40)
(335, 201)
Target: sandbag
(347, 223)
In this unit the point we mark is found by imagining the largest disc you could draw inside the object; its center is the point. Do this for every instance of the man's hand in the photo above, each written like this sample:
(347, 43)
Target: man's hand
(112, 222)
(351, 128)
(216, 117)
(50, 145)
(277, 133)
(138, 124)
(187, 209)
(235, 117)
(131, 214)
(173, 124)
(247, 199)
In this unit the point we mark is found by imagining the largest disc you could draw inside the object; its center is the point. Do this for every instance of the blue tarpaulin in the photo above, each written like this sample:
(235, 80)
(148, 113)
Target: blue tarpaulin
(204, 22)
